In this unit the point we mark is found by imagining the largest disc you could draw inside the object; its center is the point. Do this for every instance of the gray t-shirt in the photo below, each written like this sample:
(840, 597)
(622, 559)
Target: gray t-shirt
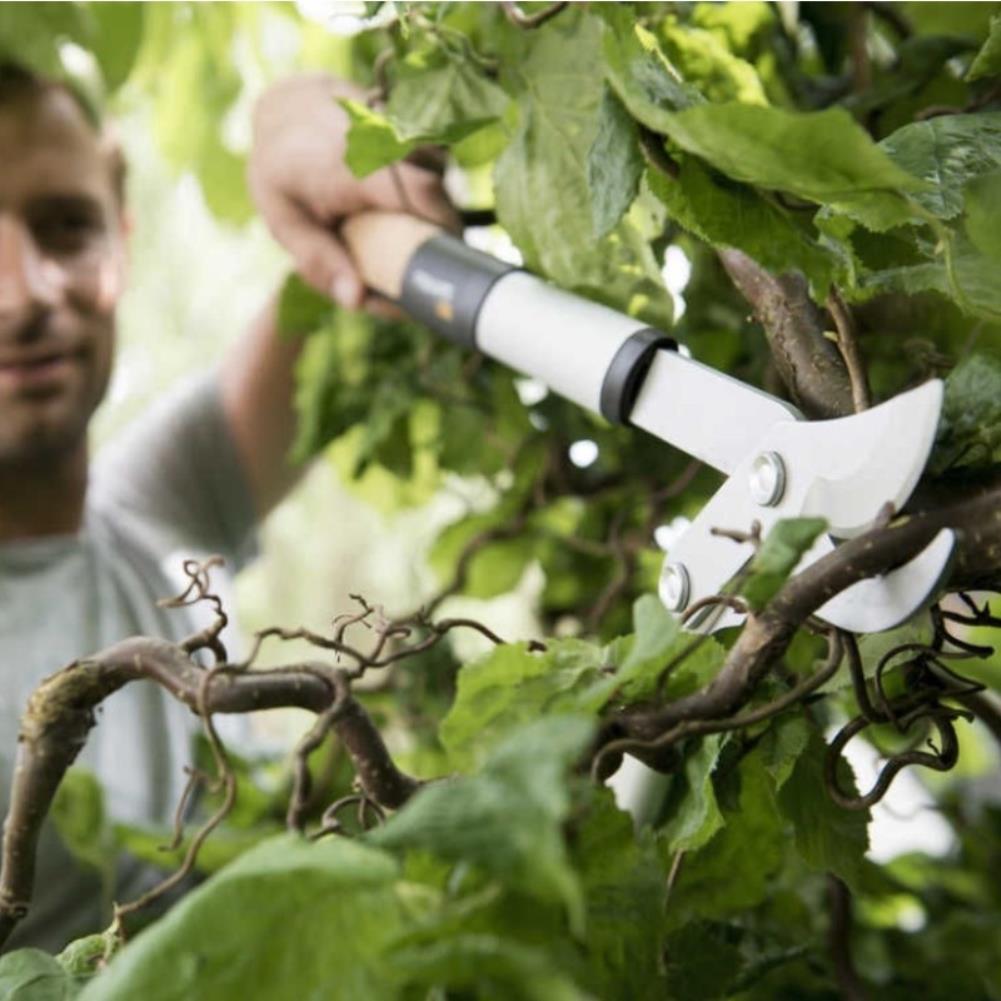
(170, 489)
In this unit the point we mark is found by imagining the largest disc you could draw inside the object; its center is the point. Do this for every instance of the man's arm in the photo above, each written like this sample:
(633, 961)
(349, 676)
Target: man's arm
(304, 190)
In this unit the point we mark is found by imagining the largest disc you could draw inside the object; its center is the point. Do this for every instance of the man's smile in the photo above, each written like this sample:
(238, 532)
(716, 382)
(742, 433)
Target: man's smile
(39, 371)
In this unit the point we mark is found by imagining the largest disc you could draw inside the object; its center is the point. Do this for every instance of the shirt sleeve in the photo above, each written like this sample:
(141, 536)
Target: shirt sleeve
(177, 466)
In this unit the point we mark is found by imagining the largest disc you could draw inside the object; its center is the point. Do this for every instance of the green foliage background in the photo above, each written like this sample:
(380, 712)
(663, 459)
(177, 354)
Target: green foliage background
(519, 878)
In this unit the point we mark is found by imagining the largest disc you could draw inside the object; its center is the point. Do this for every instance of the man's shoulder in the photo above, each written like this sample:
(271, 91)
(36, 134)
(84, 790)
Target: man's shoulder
(172, 480)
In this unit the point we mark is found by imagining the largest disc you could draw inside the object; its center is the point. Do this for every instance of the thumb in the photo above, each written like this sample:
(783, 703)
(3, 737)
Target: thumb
(321, 260)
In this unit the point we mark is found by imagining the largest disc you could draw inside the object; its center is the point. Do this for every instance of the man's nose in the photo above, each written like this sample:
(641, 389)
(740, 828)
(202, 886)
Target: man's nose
(27, 282)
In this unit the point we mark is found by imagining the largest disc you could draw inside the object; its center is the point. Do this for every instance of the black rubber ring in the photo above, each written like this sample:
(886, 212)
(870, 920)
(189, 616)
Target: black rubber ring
(445, 285)
(625, 374)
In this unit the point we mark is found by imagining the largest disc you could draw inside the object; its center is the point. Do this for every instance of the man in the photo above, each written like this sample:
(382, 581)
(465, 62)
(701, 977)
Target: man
(87, 549)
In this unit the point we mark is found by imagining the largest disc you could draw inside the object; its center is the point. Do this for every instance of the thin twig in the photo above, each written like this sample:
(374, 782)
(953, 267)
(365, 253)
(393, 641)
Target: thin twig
(849, 348)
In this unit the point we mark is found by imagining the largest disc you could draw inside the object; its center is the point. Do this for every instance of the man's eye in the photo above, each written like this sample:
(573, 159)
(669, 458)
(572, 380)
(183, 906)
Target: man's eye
(67, 233)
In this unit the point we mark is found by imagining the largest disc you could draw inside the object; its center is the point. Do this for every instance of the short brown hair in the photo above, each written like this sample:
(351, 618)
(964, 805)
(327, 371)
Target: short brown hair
(17, 81)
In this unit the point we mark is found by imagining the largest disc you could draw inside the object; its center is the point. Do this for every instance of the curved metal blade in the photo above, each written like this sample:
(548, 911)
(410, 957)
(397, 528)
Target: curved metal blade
(869, 458)
(842, 470)
(881, 603)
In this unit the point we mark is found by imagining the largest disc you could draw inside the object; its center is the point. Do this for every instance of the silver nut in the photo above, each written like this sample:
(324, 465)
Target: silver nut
(675, 587)
(767, 480)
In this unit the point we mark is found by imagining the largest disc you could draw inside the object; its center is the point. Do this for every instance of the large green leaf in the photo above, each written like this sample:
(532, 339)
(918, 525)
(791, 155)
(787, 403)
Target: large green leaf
(692, 813)
(541, 179)
(623, 880)
(656, 644)
(497, 966)
(31, 34)
(946, 152)
(732, 871)
(34, 975)
(439, 97)
(542, 194)
(639, 72)
(506, 819)
(725, 214)
(823, 156)
(78, 813)
(614, 165)
(118, 36)
(828, 837)
(969, 432)
(955, 268)
(372, 140)
(288, 920)
(511, 686)
(442, 98)
(982, 204)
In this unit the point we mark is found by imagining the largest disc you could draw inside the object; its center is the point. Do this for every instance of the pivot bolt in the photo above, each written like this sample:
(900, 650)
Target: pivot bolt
(675, 587)
(767, 478)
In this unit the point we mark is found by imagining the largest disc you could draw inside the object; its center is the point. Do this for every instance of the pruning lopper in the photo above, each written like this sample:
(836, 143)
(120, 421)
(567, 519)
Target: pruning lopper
(778, 464)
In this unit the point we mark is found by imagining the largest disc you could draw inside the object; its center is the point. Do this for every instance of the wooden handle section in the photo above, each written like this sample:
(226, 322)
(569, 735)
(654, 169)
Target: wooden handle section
(382, 244)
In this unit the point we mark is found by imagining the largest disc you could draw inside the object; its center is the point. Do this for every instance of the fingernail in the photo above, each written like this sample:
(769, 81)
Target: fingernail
(346, 291)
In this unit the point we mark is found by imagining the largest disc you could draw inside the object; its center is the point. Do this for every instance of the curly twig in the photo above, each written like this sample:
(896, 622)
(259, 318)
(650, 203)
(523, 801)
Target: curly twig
(530, 21)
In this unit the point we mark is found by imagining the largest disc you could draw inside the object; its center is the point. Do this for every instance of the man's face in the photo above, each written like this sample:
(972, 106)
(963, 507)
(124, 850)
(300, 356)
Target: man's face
(61, 266)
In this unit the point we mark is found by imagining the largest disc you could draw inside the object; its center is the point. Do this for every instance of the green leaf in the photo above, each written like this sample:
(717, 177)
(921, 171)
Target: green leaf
(781, 550)
(33, 975)
(78, 813)
(693, 815)
(701, 962)
(946, 152)
(828, 837)
(639, 72)
(733, 871)
(541, 186)
(117, 39)
(623, 879)
(438, 98)
(822, 156)
(541, 180)
(31, 34)
(321, 916)
(511, 686)
(969, 432)
(957, 271)
(372, 140)
(782, 744)
(506, 819)
(982, 203)
(504, 968)
(614, 165)
(442, 100)
(987, 62)
(659, 641)
(726, 214)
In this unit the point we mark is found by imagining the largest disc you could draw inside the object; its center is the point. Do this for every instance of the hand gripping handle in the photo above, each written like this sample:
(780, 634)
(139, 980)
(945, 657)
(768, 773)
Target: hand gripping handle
(580, 349)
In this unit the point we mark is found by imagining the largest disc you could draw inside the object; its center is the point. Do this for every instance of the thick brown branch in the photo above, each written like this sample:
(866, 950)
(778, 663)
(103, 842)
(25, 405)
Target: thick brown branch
(977, 563)
(60, 715)
(807, 362)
